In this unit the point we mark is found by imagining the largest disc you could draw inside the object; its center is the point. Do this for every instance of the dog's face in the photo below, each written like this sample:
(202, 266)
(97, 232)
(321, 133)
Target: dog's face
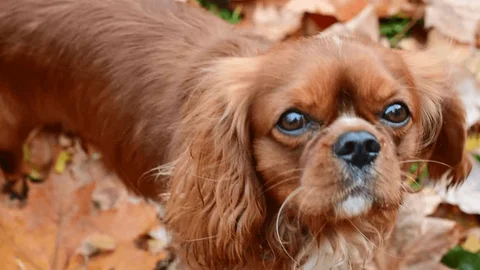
(335, 130)
(323, 129)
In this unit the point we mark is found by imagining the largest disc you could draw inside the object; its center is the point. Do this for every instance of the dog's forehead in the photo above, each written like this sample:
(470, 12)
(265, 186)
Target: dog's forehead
(353, 76)
(327, 78)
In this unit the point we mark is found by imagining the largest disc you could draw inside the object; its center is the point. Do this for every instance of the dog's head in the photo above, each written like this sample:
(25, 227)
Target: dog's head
(318, 132)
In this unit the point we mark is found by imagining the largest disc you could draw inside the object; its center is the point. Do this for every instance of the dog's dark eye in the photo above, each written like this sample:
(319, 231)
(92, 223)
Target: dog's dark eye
(396, 114)
(293, 123)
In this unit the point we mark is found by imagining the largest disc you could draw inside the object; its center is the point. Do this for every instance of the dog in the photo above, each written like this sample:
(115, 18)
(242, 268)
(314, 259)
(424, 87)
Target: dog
(275, 156)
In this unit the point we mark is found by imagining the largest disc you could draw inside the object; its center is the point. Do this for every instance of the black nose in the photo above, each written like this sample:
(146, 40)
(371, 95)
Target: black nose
(357, 148)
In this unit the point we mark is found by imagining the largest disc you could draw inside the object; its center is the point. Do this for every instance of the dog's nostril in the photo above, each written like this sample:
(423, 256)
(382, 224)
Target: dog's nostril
(372, 146)
(357, 148)
(347, 148)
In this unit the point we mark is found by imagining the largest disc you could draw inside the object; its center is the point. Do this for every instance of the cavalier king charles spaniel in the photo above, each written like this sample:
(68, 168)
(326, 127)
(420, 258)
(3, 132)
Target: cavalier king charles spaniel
(266, 156)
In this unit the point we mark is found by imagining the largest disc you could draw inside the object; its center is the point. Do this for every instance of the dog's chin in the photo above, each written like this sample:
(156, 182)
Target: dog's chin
(354, 205)
(352, 198)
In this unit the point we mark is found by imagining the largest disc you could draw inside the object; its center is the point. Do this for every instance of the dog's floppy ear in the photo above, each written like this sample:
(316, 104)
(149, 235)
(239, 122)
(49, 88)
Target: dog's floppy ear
(443, 118)
(215, 210)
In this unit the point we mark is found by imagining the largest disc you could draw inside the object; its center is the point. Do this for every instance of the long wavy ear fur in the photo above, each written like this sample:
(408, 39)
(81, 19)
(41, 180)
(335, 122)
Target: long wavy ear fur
(214, 209)
(443, 117)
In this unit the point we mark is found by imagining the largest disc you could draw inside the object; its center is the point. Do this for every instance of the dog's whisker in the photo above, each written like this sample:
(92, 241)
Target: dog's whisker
(426, 161)
(274, 185)
(201, 239)
(277, 222)
(377, 247)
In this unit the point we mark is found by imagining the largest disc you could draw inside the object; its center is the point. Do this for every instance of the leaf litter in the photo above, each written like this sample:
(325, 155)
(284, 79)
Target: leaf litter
(80, 216)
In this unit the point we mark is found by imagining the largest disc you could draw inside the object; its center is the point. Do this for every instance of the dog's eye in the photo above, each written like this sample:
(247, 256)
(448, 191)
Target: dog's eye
(293, 123)
(396, 114)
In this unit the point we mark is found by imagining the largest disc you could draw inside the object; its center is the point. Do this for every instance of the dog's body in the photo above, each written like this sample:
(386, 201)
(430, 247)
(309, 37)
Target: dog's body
(67, 62)
(155, 84)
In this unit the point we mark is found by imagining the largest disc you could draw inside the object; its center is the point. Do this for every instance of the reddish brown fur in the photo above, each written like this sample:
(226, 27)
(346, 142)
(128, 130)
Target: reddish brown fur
(151, 85)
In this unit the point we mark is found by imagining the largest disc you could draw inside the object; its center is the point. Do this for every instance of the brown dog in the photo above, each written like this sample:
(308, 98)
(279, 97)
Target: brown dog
(284, 156)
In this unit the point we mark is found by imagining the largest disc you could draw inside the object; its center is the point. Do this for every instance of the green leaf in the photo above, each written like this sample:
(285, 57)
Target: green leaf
(393, 28)
(232, 17)
(460, 259)
(413, 168)
(416, 186)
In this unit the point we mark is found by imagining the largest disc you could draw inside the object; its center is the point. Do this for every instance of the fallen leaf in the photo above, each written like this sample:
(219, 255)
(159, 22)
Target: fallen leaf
(448, 48)
(64, 141)
(466, 196)
(417, 242)
(431, 200)
(275, 23)
(108, 193)
(472, 243)
(365, 25)
(63, 158)
(409, 44)
(473, 143)
(458, 19)
(59, 216)
(96, 243)
(343, 10)
(388, 8)
(125, 257)
(469, 89)
(458, 258)
(35, 175)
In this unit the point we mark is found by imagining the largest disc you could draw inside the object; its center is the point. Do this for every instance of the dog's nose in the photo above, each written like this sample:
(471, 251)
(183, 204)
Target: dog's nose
(357, 148)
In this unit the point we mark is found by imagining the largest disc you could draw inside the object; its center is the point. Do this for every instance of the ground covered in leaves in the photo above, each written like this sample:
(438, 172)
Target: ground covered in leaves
(78, 216)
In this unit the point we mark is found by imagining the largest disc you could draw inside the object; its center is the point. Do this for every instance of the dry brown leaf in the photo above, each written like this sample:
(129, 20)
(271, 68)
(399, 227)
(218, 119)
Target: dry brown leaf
(417, 242)
(453, 51)
(125, 257)
(343, 10)
(275, 23)
(466, 70)
(409, 44)
(469, 89)
(459, 19)
(466, 196)
(365, 24)
(387, 8)
(96, 243)
(60, 214)
(431, 200)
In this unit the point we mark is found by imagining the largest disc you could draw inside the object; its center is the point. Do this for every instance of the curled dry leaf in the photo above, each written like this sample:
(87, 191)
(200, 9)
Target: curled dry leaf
(459, 19)
(465, 61)
(343, 10)
(275, 23)
(96, 243)
(108, 193)
(431, 199)
(417, 242)
(466, 196)
(65, 141)
(387, 8)
(409, 44)
(469, 88)
(365, 25)
(452, 50)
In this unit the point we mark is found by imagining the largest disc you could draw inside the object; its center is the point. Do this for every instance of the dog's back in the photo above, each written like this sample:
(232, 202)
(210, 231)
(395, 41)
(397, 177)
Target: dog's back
(114, 71)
